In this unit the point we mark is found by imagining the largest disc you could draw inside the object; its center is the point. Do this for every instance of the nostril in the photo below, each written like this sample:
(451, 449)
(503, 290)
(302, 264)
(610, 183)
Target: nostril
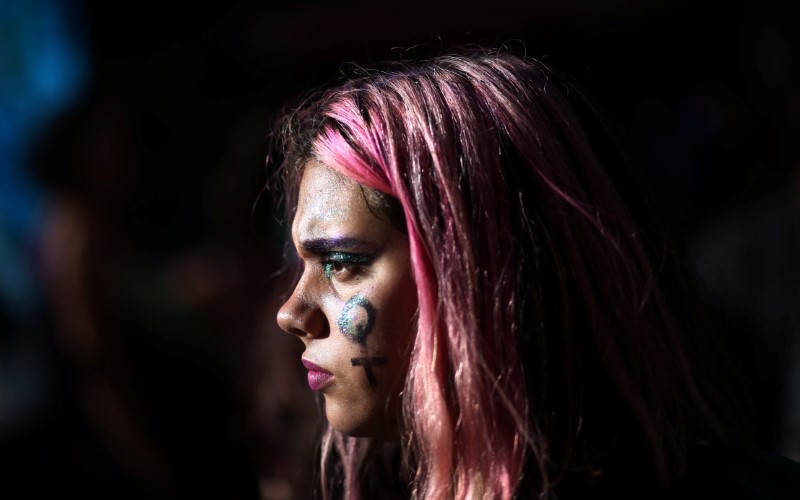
(295, 331)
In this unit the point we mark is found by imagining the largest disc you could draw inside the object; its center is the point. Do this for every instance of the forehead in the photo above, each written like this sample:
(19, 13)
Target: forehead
(328, 203)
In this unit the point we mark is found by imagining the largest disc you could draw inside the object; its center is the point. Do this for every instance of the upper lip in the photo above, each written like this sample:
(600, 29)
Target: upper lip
(313, 367)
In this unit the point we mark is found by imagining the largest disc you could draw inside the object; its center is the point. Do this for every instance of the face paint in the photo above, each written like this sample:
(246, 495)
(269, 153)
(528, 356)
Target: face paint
(357, 319)
(368, 363)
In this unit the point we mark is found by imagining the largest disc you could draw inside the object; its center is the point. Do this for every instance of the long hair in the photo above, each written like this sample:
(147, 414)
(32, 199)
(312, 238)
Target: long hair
(543, 343)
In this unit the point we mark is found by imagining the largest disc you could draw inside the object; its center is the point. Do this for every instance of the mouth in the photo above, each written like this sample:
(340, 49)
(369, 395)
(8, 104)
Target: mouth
(318, 377)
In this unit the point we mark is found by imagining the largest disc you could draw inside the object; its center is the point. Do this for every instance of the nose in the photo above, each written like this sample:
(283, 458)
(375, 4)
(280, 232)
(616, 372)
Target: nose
(300, 315)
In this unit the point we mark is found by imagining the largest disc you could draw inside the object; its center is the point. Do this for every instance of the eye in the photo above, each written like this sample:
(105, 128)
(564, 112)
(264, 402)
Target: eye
(344, 265)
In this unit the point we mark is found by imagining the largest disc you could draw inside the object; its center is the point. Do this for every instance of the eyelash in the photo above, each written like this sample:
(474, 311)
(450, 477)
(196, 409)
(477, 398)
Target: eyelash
(349, 261)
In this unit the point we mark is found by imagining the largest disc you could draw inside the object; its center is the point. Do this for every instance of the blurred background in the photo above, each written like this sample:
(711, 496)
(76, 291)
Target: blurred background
(138, 352)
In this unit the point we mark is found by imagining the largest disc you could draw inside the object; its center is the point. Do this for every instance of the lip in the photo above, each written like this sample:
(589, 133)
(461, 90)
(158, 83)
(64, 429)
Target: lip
(318, 377)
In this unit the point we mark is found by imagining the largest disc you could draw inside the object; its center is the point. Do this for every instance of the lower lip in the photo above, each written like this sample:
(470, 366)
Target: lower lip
(318, 380)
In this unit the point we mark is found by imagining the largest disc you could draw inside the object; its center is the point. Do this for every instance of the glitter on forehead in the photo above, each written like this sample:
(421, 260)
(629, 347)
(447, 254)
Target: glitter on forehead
(330, 213)
(325, 200)
(356, 319)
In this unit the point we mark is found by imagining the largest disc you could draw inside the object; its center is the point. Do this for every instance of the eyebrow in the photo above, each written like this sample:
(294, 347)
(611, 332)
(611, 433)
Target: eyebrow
(318, 245)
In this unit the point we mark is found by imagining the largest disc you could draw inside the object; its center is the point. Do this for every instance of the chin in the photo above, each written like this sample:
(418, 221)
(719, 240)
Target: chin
(350, 423)
(358, 423)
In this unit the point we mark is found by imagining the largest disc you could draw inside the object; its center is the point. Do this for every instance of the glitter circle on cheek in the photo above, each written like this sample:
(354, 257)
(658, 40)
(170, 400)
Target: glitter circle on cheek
(356, 319)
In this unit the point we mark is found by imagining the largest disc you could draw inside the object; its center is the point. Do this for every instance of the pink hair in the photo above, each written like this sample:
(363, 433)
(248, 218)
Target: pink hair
(536, 295)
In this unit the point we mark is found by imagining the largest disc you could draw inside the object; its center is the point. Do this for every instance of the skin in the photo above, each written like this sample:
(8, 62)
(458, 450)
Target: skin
(349, 251)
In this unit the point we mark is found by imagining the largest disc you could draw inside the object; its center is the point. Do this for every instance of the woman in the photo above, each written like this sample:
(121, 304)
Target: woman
(478, 309)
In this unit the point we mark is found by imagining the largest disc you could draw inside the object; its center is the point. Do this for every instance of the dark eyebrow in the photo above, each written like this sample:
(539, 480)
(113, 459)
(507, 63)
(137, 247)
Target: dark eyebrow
(318, 245)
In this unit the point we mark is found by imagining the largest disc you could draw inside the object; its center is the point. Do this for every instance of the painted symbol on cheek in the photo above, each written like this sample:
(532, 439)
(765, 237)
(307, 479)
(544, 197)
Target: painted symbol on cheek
(357, 319)
(367, 364)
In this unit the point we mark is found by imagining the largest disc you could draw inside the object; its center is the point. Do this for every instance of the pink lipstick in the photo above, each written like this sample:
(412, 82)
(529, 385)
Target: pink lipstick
(317, 377)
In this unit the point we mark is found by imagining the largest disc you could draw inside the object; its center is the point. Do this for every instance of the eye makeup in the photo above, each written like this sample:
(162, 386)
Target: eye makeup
(331, 260)
(328, 245)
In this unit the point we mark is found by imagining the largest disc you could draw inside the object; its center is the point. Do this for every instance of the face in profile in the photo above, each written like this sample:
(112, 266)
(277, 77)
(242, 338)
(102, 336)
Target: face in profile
(354, 305)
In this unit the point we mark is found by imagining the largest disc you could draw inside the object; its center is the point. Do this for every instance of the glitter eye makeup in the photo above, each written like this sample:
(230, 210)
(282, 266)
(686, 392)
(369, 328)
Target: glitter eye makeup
(342, 259)
(356, 319)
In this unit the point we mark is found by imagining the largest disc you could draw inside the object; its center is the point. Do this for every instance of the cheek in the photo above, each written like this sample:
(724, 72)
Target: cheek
(394, 333)
(399, 318)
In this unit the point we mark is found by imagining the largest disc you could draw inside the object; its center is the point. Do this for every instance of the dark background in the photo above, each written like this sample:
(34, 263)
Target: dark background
(138, 351)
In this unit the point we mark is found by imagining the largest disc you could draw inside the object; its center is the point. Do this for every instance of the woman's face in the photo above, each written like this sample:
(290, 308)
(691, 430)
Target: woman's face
(354, 306)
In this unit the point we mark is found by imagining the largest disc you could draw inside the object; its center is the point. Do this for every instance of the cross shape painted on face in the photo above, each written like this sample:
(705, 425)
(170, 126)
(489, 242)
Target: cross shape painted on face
(367, 364)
